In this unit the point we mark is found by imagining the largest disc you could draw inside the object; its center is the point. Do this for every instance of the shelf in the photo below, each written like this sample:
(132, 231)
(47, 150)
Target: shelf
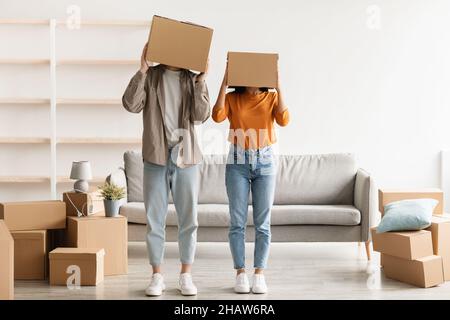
(99, 141)
(66, 101)
(94, 180)
(89, 62)
(25, 21)
(112, 23)
(93, 23)
(24, 179)
(23, 140)
(24, 101)
(25, 61)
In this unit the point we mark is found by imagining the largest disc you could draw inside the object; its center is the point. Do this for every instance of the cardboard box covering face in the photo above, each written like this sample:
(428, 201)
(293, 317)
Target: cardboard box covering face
(179, 44)
(90, 203)
(65, 262)
(440, 232)
(30, 258)
(247, 69)
(408, 245)
(386, 196)
(6, 263)
(424, 272)
(102, 232)
(34, 215)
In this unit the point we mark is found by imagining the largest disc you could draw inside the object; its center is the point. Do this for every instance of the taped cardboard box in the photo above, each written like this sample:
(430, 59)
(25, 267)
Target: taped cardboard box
(440, 232)
(408, 245)
(72, 266)
(386, 196)
(34, 215)
(250, 69)
(102, 232)
(31, 254)
(179, 44)
(6, 263)
(424, 272)
(87, 203)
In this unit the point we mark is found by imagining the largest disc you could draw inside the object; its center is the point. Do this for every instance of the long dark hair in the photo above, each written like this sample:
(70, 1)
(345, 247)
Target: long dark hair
(242, 89)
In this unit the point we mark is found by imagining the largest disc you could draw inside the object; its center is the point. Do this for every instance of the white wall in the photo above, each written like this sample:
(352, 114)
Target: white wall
(380, 91)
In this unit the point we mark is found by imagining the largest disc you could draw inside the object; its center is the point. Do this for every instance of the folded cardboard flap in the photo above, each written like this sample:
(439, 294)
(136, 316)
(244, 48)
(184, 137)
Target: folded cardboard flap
(386, 196)
(251, 69)
(405, 244)
(6, 263)
(424, 272)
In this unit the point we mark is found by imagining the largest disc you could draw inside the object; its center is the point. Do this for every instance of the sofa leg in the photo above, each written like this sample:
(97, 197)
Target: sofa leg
(367, 243)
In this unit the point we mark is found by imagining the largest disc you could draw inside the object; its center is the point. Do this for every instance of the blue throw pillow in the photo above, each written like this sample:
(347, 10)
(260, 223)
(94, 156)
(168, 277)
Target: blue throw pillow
(407, 215)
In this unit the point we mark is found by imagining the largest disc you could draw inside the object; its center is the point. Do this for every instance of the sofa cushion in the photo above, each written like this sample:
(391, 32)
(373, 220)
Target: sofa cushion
(217, 215)
(134, 170)
(326, 179)
(301, 179)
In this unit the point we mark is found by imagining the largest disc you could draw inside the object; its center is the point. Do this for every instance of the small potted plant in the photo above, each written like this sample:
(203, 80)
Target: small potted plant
(112, 194)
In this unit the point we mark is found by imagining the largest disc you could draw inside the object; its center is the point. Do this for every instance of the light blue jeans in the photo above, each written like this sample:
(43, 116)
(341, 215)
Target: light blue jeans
(183, 183)
(253, 170)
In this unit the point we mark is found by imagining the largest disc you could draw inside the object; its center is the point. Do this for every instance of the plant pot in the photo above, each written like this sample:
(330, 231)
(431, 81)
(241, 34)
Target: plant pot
(111, 208)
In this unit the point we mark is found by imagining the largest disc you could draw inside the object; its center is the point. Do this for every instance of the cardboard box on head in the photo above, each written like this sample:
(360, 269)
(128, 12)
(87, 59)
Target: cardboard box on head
(179, 44)
(250, 69)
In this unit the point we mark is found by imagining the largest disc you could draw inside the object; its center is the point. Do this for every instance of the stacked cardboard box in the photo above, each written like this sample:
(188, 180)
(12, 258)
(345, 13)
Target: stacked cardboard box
(421, 258)
(84, 203)
(111, 234)
(30, 258)
(29, 223)
(78, 266)
(408, 257)
(6, 263)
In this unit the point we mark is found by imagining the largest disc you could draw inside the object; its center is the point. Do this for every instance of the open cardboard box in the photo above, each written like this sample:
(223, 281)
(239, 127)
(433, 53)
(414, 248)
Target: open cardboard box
(179, 44)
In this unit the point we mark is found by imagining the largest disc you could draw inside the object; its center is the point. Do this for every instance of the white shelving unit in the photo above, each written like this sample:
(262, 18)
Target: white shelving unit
(53, 102)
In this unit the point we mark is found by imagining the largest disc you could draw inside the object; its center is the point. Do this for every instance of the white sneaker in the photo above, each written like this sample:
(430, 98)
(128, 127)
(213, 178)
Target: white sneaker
(242, 285)
(186, 285)
(259, 284)
(156, 286)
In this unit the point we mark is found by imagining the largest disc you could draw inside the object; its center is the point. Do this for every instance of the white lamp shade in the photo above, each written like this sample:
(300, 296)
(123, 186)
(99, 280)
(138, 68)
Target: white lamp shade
(81, 170)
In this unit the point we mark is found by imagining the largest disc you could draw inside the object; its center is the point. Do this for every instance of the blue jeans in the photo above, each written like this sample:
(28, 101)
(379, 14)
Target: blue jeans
(247, 170)
(183, 183)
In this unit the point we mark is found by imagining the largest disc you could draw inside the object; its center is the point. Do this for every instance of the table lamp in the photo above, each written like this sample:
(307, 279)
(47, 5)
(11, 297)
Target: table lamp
(81, 172)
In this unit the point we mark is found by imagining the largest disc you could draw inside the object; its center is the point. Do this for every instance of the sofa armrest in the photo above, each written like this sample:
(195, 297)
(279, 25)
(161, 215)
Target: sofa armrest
(119, 178)
(365, 200)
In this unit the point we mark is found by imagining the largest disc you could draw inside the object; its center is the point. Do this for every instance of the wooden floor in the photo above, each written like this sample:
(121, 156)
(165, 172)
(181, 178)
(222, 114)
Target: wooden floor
(296, 271)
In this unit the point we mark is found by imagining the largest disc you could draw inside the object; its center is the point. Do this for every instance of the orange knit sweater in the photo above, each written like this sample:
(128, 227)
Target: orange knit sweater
(251, 118)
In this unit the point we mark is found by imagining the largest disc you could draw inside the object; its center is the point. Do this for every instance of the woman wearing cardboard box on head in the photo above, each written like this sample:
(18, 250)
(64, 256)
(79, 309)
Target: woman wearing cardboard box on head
(251, 111)
(172, 101)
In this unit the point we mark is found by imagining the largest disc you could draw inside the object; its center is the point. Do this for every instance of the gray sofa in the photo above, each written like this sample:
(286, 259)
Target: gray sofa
(318, 198)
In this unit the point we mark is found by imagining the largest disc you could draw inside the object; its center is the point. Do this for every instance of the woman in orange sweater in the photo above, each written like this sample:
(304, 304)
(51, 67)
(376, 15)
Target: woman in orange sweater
(250, 166)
